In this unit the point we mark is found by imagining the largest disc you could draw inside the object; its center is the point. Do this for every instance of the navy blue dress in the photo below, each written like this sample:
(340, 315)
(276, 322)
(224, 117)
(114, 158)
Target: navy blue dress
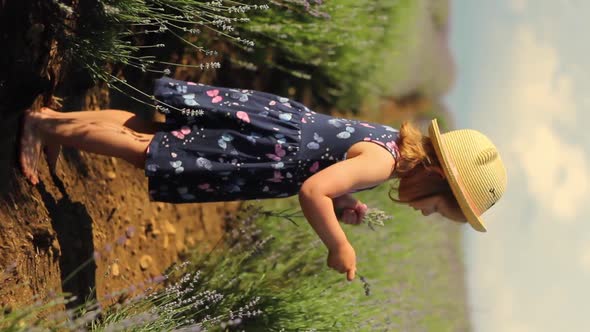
(232, 144)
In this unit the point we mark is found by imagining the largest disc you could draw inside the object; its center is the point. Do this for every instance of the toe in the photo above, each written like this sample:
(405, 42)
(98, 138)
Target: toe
(34, 179)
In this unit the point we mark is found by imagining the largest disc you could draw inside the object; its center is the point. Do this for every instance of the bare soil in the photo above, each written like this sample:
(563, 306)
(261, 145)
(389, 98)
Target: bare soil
(88, 230)
(92, 220)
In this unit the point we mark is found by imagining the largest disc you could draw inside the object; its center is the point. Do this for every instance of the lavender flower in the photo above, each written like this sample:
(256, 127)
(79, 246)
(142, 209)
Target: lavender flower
(375, 217)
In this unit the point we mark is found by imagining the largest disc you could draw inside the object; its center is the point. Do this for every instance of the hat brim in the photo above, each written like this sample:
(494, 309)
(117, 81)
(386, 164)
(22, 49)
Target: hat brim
(454, 179)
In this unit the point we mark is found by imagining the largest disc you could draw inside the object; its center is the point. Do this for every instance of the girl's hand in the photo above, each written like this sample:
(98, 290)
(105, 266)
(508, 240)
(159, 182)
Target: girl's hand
(343, 260)
(355, 215)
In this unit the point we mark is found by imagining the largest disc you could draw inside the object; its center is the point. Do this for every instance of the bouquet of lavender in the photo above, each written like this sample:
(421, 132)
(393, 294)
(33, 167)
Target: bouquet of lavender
(375, 217)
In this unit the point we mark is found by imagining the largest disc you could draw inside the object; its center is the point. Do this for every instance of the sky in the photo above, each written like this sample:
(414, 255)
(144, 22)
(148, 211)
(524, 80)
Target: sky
(523, 79)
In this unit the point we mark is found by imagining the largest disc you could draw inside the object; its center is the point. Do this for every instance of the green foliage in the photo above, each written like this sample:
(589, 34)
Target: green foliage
(133, 33)
(342, 45)
(271, 276)
(411, 266)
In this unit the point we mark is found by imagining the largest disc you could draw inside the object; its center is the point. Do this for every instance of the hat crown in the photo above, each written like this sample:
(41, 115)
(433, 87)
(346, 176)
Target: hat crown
(477, 166)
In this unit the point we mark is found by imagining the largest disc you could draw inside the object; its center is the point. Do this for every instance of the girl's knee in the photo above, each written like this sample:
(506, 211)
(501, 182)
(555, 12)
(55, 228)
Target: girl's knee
(140, 150)
(141, 125)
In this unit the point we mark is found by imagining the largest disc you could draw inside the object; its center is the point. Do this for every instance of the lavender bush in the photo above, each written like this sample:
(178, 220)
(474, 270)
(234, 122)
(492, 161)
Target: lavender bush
(130, 32)
(270, 275)
(340, 46)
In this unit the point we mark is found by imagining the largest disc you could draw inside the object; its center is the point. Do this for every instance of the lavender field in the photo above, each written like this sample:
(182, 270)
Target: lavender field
(250, 266)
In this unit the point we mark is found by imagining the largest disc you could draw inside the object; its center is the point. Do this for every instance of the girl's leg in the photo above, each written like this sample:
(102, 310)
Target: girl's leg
(120, 117)
(77, 130)
(123, 118)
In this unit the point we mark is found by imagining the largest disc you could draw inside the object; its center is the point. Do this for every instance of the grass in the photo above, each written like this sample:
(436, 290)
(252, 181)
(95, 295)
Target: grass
(410, 264)
(103, 36)
(342, 45)
(273, 278)
(341, 48)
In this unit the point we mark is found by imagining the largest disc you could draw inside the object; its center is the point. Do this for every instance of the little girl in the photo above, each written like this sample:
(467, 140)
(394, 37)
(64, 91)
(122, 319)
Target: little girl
(221, 144)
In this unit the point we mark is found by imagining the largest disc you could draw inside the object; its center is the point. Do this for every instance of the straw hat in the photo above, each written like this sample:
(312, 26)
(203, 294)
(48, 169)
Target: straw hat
(473, 168)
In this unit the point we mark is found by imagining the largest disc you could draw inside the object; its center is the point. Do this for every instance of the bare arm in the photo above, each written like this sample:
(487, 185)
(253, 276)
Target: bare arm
(346, 201)
(349, 210)
(369, 168)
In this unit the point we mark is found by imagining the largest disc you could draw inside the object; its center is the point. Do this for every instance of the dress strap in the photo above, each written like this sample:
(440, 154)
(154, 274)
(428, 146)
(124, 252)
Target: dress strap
(390, 146)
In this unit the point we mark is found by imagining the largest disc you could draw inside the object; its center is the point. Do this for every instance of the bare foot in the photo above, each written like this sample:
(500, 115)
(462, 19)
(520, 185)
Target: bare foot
(52, 151)
(30, 147)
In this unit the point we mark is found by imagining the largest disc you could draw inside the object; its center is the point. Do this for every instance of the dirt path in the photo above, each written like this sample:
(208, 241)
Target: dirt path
(94, 207)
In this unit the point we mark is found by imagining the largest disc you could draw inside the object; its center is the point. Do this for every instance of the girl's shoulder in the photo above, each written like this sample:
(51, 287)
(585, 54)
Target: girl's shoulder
(366, 166)
(377, 159)
(372, 151)
(376, 138)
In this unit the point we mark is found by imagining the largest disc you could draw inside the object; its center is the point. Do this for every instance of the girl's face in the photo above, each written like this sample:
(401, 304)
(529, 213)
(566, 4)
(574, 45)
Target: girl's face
(443, 204)
(427, 190)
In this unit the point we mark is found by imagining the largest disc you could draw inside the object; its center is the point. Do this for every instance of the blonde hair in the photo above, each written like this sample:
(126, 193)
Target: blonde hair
(416, 178)
(414, 149)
